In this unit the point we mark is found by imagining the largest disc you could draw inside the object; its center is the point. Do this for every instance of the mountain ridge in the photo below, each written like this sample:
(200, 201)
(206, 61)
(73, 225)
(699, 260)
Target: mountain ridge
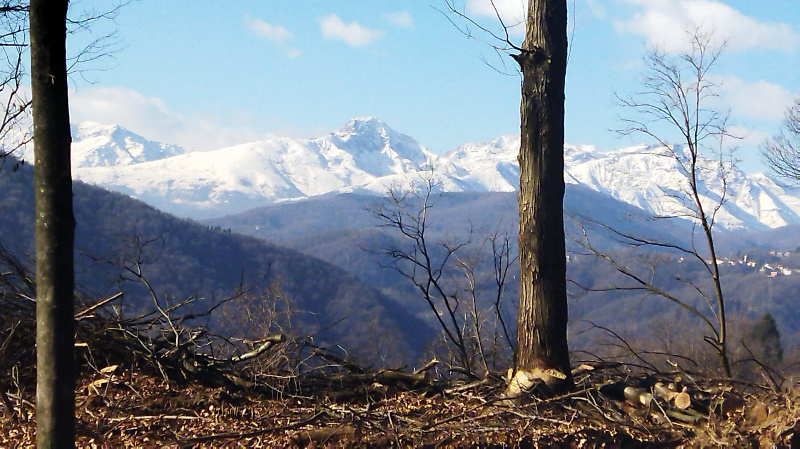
(96, 145)
(366, 156)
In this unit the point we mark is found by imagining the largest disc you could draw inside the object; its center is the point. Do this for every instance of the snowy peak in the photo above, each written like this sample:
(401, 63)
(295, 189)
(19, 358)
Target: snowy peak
(374, 148)
(248, 175)
(490, 166)
(363, 125)
(369, 128)
(96, 145)
(367, 156)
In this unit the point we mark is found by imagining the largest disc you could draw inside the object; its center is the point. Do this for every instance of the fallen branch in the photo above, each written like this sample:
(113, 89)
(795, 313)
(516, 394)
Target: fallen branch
(99, 304)
(254, 433)
(347, 364)
(426, 367)
(269, 342)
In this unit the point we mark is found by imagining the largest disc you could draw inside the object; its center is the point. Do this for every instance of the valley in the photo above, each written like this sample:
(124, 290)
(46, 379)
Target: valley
(313, 196)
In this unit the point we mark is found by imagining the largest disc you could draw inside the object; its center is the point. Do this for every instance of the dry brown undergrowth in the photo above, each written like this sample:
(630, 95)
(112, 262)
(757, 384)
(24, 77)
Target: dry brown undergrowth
(119, 407)
(142, 385)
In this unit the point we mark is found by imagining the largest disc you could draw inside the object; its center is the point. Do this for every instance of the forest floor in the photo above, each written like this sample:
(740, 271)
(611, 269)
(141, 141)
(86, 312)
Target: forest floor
(148, 382)
(123, 407)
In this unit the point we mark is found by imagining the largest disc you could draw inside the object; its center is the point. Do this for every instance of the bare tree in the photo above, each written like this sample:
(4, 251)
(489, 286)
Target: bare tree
(677, 97)
(782, 152)
(55, 226)
(541, 352)
(447, 275)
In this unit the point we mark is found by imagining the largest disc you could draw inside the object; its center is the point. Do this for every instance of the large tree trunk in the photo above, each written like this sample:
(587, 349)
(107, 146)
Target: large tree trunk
(542, 351)
(55, 226)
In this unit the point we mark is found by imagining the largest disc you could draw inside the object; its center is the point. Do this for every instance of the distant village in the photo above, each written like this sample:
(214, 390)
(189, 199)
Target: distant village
(774, 269)
(770, 269)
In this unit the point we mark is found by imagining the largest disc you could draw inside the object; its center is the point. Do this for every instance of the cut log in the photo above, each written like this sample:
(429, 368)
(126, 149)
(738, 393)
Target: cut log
(682, 400)
(638, 396)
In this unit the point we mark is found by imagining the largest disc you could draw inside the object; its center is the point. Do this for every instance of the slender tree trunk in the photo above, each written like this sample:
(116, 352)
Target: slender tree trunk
(542, 351)
(721, 341)
(55, 226)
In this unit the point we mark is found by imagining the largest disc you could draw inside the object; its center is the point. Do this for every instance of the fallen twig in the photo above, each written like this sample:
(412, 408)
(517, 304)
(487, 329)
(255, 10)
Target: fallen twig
(235, 435)
(99, 304)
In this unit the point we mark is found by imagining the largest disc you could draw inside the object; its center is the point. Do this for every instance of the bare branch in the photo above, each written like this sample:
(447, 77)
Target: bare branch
(501, 44)
(782, 152)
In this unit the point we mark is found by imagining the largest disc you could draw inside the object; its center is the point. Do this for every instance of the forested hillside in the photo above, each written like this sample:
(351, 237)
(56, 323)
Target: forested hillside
(182, 259)
(351, 238)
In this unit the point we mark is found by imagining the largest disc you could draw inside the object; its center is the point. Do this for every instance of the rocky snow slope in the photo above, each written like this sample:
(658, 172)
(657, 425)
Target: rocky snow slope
(646, 177)
(367, 156)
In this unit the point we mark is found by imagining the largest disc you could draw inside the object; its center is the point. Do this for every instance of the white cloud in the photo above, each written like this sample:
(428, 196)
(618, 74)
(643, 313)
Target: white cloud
(352, 33)
(744, 137)
(276, 34)
(150, 117)
(264, 30)
(759, 100)
(400, 19)
(512, 12)
(665, 22)
(746, 141)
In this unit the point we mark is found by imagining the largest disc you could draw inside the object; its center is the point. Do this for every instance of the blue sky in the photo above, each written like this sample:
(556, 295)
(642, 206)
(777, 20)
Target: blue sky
(204, 76)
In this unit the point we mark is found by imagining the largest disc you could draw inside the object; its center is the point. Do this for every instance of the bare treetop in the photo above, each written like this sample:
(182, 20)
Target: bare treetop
(782, 152)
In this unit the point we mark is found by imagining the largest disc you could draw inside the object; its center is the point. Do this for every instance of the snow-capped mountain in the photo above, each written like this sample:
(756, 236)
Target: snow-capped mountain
(490, 166)
(647, 177)
(653, 180)
(367, 156)
(233, 179)
(97, 145)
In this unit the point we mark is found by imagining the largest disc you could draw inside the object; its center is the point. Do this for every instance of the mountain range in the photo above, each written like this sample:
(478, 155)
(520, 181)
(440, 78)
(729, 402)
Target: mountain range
(312, 196)
(367, 157)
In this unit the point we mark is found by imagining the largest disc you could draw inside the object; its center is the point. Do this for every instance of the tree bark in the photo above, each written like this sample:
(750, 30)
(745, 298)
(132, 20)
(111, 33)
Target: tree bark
(55, 226)
(542, 350)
